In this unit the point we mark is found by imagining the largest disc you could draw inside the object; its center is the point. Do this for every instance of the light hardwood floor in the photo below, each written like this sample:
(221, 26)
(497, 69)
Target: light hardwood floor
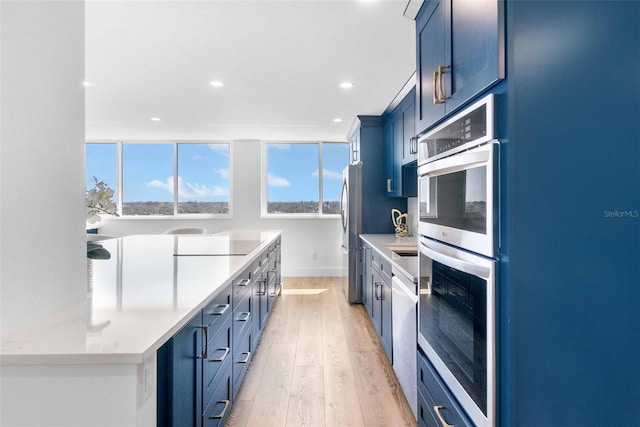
(319, 363)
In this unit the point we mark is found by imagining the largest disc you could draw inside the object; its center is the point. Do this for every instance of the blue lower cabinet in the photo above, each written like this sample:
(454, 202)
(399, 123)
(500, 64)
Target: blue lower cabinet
(200, 369)
(241, 359)
(180, 377)
(217, 409)
(218, 355)
(437, 399)
(426, 416)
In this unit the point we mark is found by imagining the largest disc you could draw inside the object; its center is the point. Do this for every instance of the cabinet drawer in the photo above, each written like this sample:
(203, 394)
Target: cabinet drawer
(426, 417)
(437, 394)
(381, 265)
(242, 317)
(241, 285)
(219, 406)
(241, 359)
(218, 356)
(218, 310)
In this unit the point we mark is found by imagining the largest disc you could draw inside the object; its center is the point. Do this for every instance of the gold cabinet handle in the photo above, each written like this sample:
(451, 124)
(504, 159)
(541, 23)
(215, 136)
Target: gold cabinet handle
(441, 96)
(440, 417)
(224, 410)
(436, 97)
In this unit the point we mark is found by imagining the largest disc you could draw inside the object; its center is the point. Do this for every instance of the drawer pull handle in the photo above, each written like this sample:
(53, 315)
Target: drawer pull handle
(224, 356)
(378, 294)
(243, 282)
(246, 359)
(224, 410)
(205, 354)
(221, 312)
(440, 417)
(442, 97)
(246, 317)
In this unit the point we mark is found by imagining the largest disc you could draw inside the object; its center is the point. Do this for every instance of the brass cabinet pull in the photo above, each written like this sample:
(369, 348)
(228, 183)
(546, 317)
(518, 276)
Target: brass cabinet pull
(440, 417)
(224, 355)
(224, 410)
(205, 354)
(221, 312)
(436, 97)
(246, 359)
(243, 282)
(377, 294)
(243, 317)
(441, 96)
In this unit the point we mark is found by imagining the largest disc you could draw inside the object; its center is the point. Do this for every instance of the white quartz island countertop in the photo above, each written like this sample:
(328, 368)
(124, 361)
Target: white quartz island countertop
(149, 289)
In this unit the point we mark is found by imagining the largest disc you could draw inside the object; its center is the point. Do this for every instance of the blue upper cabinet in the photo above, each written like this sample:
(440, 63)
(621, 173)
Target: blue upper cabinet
(401, 147)
(460, 52)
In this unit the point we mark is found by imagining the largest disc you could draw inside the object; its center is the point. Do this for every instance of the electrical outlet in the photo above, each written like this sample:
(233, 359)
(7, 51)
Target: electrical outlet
(314, 256)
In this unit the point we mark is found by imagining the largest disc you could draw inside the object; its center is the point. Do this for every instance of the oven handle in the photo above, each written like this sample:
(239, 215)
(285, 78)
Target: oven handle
(457, 263)
(460, 161)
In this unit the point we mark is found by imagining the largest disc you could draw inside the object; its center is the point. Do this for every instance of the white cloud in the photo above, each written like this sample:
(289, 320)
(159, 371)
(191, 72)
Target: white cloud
(277, 181)
(280, 146)
(328, 173)
(163, 185)
(189, 190)
(224, 173)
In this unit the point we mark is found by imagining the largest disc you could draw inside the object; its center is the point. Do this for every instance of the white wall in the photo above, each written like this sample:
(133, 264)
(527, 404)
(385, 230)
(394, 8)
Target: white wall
(42, 245)
(310, 247)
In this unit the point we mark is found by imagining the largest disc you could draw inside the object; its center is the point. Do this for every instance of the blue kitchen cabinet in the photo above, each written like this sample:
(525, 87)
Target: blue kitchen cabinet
(200, 369)
(436, 405)
(180, 377)
(401, 149)
(459, 53)
(366, 279)
(375, 205)
(380, 273)
(190, 363)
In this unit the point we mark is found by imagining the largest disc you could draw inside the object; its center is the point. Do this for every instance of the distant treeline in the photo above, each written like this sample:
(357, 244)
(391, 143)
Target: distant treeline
(303, 207)
(166, 208)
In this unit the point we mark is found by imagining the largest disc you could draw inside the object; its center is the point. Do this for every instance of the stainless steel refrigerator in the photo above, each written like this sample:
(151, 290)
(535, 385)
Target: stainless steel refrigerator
(351, 219)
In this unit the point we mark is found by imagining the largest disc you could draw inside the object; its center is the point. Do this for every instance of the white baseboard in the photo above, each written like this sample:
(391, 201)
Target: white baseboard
(314, 272)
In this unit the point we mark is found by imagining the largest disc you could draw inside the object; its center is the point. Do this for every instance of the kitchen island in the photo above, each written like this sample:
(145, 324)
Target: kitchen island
(95, 363)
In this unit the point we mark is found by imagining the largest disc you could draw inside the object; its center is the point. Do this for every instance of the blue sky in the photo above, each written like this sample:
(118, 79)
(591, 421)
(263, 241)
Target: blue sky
(204, 171)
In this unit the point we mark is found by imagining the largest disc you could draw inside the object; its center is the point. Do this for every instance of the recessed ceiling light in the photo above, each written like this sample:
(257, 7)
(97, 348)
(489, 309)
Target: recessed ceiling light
(155, 119)
(86, 84)
(346, 85)
(216, 83)
(337, 120)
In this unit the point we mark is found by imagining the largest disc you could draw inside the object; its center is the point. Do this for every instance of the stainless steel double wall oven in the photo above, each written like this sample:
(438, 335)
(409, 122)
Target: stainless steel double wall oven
(459, 235)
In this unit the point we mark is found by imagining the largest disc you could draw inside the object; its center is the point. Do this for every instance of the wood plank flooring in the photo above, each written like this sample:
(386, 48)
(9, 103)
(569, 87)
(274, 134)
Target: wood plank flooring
(319, 363)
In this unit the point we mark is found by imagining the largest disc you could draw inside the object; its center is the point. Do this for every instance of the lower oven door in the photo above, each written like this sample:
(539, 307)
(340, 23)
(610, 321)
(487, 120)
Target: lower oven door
(456, 324)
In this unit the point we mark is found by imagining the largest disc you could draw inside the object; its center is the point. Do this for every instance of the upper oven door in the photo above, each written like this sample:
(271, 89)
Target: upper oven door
(458, 199)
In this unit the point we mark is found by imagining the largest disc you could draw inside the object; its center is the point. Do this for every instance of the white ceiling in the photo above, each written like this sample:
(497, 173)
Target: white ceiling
(280, 61)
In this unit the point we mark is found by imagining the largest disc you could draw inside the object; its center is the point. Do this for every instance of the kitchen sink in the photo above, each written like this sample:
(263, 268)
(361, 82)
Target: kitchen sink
(404, 250)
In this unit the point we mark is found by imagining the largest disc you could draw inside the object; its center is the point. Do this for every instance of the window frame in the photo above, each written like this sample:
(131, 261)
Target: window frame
(264, 214)
(181, 216)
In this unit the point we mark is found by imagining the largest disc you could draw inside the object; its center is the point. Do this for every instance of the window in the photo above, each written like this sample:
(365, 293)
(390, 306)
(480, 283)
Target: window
(102, 163)
(142, 176)
(203, 178)
(147, 179)
(303, 178)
